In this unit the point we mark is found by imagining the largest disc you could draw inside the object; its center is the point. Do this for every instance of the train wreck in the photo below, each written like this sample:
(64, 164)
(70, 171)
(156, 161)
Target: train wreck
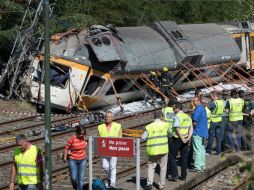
(90, 67)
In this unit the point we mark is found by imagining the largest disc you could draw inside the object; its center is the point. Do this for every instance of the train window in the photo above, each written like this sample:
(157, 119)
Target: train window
(97, 42)
(59, 75)
(94, 84)
(105, 40)
(239, 42)
(179, 34)
(174, 34)
(121, 86)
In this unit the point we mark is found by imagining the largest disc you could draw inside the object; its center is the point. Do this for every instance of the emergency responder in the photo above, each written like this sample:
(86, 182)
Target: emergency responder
(166, 81)
(200, 133)
(234, 108)
(182, 132)
(156, 135)
(110, 129)
(217, 108)
(155, 80)
(27, 165)
(247, 108)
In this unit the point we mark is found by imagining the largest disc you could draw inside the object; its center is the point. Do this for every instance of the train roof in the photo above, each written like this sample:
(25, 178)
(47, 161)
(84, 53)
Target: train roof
(139, 49)
(213, 41)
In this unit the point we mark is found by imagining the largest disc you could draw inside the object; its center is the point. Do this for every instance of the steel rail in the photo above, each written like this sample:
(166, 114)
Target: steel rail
(40, 139)
(64, 169)
(18, 120)
(35, 125)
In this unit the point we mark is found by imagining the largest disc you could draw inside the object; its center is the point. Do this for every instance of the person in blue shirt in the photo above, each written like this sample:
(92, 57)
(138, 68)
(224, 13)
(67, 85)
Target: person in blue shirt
(200, 133)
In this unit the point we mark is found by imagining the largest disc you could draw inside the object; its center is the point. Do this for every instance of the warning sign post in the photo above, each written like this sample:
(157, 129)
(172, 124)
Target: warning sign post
(114, 147)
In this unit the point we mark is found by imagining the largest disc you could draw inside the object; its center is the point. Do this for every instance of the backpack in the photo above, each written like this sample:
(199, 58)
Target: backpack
(98, 184)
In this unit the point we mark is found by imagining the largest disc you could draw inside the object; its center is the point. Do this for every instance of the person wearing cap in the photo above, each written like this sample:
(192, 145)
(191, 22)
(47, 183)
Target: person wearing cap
(247, 110)
(166, 81)
(234, 108)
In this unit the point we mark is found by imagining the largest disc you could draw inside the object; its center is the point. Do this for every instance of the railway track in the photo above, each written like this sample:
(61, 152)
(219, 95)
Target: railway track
(58, 140)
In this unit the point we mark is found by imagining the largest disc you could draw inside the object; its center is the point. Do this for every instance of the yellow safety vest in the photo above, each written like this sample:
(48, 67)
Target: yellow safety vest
(218, 111)
(208, 114)
(27, 169)
(236, 109)
(113, 132)
(168, 114)
(157, 141)
(185, 124)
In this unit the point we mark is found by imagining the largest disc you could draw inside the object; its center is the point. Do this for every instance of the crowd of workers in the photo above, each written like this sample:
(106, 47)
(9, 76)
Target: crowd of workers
(173, 131)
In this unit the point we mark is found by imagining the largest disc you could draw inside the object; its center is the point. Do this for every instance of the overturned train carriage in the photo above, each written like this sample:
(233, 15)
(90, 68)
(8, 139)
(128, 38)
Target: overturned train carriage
(86, 64)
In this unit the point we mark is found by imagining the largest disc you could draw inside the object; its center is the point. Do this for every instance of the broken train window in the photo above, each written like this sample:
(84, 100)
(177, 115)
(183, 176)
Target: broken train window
(94, 84)
(59, 74)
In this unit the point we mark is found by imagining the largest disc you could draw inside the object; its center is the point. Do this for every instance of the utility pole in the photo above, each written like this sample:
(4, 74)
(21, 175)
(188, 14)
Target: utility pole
(48, 160)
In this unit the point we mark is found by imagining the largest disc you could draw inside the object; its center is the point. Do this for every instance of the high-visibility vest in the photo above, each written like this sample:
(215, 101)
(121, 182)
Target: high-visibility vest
(113, 132)
(27, 169)
(218, 111)
(208, 115)
(185, 124)
(168, 114)
(236, 109)
(157, 141)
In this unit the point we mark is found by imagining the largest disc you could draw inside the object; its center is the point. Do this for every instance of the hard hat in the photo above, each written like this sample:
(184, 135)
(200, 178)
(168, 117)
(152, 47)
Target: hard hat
(152, 73)
(165, 69)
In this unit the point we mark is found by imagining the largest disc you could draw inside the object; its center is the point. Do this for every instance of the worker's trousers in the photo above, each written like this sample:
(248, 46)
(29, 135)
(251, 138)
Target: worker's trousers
(199, 152)
(162, 160)
(109, 165)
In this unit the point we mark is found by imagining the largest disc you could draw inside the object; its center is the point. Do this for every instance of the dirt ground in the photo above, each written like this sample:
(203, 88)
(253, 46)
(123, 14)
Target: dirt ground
(14, 105)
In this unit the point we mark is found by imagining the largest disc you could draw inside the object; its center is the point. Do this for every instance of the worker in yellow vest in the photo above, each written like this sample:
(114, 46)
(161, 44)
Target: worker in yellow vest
(234, 108)
(168, 113)
(182, 133)
(110, 129)
(217, 107)
(156, 134)
(27, 165)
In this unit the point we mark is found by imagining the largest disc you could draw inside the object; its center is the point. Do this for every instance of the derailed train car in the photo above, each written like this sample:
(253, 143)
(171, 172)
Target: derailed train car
(89, 63)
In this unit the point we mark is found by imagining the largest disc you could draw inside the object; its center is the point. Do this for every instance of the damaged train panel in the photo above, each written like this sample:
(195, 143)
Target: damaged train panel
(86, 65)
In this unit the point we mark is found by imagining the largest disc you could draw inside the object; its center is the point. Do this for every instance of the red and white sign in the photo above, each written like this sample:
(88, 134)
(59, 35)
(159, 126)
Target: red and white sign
(115, 147)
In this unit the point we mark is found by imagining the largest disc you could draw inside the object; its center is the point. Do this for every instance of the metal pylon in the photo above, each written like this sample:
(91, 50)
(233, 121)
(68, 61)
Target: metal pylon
(27, 43)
